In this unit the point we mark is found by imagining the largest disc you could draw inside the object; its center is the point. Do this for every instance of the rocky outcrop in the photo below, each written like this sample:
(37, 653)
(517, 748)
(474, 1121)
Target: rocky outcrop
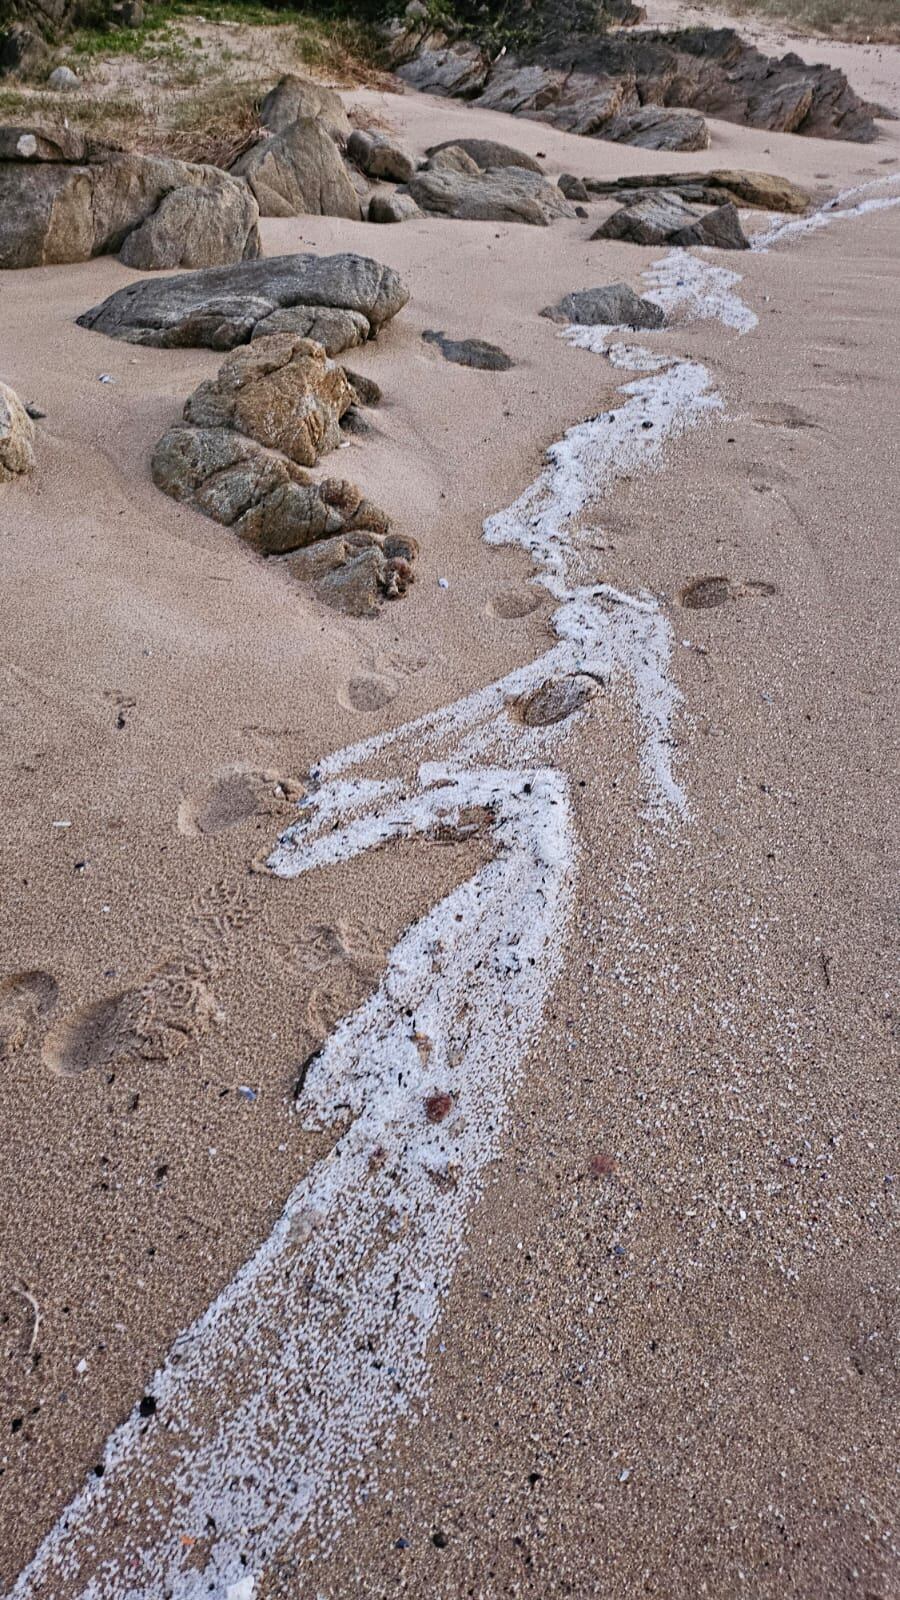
(379, 157)
(613, 306)
(16, 436)
(282, 391)
(476, 353)
(66, 198)
(757, 189)
(299, 171)
(655, 128)
(662, 218)
(295, 97)
(502, 194)
(585, 85)
(488, 153)
(226, 306)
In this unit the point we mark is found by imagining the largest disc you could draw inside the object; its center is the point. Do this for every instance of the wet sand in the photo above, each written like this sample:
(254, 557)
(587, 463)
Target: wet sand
(664, 1363)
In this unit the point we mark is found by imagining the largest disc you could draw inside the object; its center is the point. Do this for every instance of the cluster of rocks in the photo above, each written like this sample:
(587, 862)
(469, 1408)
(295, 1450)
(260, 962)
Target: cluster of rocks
(242, 456)
(248, 439)
(474, 180)
(660, 217)
(624, 86)
(64, 197)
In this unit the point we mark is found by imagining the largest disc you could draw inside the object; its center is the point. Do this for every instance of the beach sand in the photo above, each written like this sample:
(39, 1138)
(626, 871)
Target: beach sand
(664, 1365)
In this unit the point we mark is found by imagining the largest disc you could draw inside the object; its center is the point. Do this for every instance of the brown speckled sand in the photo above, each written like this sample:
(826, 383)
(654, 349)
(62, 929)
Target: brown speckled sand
(665, 1366)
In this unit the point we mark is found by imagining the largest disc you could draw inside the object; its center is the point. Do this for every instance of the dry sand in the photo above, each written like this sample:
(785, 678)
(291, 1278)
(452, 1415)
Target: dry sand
(665, 1363)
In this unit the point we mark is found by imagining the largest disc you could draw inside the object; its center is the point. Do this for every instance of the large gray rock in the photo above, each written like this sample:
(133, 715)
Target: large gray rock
(502, 194)
(299, 171)
(198, 227)
(662, 218)
(489, 153)
(295, 97)
(16, 436)
(451, 158)
(282, 391)
(269, 501)
(222, 307)
(656, 128)
(613, 306)
(64, 198)
(379, 157)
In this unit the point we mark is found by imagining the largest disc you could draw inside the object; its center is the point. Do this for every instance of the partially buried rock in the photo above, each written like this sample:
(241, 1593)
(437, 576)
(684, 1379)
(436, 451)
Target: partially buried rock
(269, 501)
(223, 307)
(299, 171)
(295, 97)
(282, 391)
(613, 306)
(379, 157)
(470, 352)
(16, 436)
(762, 189)
(354, 572)
(502, 194)
(662, 218)
(487, 153)
(555, 699)
(63, 78)
(388, 205)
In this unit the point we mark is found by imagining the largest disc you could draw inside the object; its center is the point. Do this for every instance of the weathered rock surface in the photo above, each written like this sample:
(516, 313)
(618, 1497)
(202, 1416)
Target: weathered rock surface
(282, 391)
(63, 78)
(502, 194)
(195, 227)
(662, 218)
(295, 97)
(267, 500)
(66, 198)
(223, 307)
(16, 436)
(299, 171)
(392, 205)
(380, 157)
(470, 352)
(655, 128)
(614, 306)
(461, 70)
(451, 158)
(334, 330)
(593, 80)
(488, 153)
(353, 572)
(760, 189)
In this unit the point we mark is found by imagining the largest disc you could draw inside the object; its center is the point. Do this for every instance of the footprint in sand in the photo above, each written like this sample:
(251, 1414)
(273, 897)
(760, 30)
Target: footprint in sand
(509, 604)
(26, 999)
(324, 945)
(783, 415)
(152, 1022)
(234, 796)
(368, 691)
(702, 594)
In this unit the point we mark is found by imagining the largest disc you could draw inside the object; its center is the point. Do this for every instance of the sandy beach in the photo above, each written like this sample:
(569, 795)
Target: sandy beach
(660, 1360)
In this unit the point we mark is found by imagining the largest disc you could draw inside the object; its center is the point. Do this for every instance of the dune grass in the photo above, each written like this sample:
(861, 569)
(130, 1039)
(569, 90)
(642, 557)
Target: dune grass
(853, 20)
